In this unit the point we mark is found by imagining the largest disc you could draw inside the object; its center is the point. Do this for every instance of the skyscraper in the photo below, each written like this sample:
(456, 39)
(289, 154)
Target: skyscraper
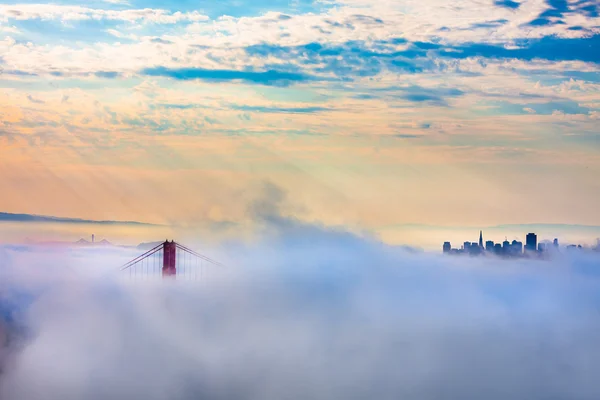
(531, 242)
(505, 245)
(489, 246)
(497, 249)
(474, 249)
(447, 247)
(516, 247)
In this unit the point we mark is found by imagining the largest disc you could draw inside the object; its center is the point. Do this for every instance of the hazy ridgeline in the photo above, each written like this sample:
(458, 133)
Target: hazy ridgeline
(305, 313)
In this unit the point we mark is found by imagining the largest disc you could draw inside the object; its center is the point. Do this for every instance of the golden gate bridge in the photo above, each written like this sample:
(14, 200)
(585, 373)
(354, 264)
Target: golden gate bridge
(169, 260)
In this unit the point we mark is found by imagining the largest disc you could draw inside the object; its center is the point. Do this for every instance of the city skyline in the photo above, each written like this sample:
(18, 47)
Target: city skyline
(16, 228)
(516, 248)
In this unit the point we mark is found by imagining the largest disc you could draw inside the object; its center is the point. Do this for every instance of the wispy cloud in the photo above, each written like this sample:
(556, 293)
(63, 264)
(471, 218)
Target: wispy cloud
(20, 12)
(271, 77)
(35, 100)
(281, 110)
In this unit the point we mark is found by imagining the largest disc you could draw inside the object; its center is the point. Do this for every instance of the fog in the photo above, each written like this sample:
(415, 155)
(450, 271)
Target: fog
(302, 312)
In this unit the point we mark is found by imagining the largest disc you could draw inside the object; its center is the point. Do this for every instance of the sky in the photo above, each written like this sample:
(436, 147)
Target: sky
(368, 115)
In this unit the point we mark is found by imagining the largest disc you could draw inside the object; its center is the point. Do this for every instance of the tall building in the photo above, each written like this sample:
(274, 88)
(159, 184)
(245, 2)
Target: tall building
(489, 246)
(481, 239)
(498, 248)
(555, 242)
(447, 247)
(516, 247)
(505, 247)
(474, 249)
(531, 242)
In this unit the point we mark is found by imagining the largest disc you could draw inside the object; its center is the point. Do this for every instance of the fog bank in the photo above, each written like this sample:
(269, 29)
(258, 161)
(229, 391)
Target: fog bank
(305, 313)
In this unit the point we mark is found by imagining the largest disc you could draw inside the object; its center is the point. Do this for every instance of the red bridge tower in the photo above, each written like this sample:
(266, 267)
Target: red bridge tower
(169, 258)
(169, 254)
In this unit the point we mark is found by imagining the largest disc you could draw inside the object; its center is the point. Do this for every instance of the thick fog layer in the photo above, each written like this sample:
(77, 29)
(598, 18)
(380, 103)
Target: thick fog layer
(305, 313)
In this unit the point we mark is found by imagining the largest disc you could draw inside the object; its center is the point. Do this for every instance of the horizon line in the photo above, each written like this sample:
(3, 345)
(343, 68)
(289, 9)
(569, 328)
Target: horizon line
(531, 224)
(27, 218)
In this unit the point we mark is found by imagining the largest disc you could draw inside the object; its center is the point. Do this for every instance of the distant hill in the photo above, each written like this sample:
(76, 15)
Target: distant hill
(9, 217)
(148, 246)
(83, 242)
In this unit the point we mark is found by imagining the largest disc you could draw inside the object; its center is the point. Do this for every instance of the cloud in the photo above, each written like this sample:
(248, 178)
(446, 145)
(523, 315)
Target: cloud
(20, 12)
(107, 74)
(507, 3)
(541, 108)
(419, 94)
(10, 29)
(305, 311)
(160, 41)
(17, 73)
(271, 77)
(119, 2)
(547, 48)
(558, 9)
(349, 60)
(281, 110)
(181, 106)
(35, 100)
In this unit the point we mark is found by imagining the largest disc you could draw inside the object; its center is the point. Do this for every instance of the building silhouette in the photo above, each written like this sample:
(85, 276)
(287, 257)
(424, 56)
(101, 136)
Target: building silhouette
(447, 247)
(497, 249)
(514, 249)
(531, 242)
(474, 249)
(506, 247)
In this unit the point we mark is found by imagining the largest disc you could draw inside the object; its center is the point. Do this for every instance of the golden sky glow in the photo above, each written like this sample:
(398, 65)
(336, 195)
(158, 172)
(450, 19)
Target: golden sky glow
(144, 118)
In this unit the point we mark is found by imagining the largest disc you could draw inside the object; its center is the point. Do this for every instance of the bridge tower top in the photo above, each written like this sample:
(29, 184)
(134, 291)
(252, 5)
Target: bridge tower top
(172, 255)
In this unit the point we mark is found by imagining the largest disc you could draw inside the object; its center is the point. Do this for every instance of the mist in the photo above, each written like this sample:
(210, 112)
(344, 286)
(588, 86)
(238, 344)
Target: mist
(302, 312)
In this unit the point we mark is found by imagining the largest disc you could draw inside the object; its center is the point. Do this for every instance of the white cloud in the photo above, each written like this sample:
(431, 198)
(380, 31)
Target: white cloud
(120, 2)
(9, 29)
(19, 12)
(221, 43)
(307, 312)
